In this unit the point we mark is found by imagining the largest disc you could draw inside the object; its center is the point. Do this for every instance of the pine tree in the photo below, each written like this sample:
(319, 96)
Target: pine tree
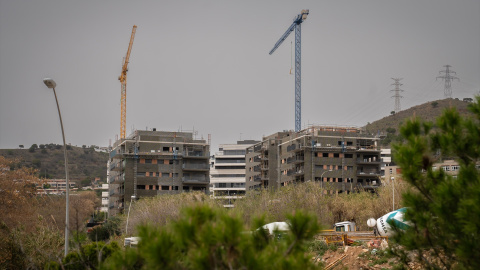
(207, 238)
(444, 210)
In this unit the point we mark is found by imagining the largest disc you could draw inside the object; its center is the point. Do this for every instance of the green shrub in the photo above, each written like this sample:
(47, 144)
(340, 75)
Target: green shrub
(209, 238)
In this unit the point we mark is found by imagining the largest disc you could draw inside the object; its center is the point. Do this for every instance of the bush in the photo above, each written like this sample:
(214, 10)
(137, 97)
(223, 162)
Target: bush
(89, 256)
(208, 238)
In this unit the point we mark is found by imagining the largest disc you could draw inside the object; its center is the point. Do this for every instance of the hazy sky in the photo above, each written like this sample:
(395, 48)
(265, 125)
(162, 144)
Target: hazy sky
(204, 65)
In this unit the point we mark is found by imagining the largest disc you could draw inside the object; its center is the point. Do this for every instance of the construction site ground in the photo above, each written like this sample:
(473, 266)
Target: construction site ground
(356, 257)
(339, 251)
(361, 255)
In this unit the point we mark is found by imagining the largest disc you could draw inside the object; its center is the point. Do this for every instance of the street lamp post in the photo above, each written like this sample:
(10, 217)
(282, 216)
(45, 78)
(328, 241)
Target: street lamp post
(321, 178)
(50, 83)
(128, 215)
(393, 193)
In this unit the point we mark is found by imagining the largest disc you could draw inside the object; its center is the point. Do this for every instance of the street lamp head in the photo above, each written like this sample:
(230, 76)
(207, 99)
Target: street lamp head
(50, 83)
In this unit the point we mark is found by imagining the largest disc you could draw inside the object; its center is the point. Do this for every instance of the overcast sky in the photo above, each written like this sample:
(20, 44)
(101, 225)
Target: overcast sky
(204, 65)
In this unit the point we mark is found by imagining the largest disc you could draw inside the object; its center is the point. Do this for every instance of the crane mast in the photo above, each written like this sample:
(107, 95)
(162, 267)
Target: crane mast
(296, 25)
(123, 81)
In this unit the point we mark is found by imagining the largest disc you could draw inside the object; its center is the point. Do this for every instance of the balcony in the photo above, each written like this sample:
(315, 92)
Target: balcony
(196, 167)
(295, 159)
(118, 193)
(369, 148)
(195, 154)
(117, 179)
(291, 147)
(369, 160)
(256, 169)
(256, 159)
(119, 166)
(368, 173)
(201, 179)
(295, 172)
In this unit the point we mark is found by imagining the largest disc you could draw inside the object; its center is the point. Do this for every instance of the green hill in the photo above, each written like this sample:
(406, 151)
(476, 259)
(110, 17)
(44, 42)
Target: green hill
(84, 163)
(388, 126)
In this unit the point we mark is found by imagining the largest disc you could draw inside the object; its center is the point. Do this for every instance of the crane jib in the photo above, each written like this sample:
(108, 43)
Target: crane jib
(280, 41)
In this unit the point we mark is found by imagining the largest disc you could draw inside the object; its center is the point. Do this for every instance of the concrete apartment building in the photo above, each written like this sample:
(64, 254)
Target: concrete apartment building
(151, 163)
(227, 175)
(344, 159)
(451, 167)
(55, 186)
(104, 207)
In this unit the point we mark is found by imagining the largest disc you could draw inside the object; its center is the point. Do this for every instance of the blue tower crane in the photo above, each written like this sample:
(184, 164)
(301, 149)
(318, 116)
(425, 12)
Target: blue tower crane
(298, 53)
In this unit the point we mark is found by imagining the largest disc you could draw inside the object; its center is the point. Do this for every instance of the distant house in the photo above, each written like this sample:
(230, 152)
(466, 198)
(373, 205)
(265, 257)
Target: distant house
(55, 186)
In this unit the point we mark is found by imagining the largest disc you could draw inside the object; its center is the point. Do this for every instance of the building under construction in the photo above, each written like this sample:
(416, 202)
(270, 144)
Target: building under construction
(343, 159)
(150, 163)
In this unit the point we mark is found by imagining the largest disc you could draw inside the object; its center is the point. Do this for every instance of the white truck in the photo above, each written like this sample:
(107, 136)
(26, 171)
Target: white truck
(131, 241)
(345, 226)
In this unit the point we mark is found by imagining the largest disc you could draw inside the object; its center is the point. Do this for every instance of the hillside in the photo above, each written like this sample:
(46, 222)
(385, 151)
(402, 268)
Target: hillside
(429, 111)
(84, 163)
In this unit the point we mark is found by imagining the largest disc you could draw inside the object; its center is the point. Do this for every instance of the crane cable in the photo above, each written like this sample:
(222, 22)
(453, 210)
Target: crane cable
(291, 57)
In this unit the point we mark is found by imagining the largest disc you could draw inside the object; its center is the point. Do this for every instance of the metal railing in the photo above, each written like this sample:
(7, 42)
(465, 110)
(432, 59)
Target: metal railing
(200, 178)
(194, 154)
(196, 166)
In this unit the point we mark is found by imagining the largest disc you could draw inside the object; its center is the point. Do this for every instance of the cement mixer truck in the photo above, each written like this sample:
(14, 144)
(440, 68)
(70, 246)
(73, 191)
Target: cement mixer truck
(382, 226)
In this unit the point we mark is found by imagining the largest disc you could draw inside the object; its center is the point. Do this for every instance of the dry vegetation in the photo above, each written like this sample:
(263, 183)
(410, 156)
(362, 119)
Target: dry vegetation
(32, 227)
(329, 209)
(427, 112)
(274, 206)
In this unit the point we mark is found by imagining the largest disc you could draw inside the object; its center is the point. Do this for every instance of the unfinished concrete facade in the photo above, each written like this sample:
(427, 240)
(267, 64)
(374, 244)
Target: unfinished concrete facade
(151, 163)
(343, 159)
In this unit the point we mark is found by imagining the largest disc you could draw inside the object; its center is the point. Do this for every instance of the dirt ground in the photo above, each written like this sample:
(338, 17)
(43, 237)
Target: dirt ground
(356, 257)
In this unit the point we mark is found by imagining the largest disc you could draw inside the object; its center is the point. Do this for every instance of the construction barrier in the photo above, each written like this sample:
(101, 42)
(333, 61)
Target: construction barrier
(349, 238)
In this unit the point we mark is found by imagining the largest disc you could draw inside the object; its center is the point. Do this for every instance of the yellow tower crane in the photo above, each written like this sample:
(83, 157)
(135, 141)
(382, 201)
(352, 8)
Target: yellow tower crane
(123, 80)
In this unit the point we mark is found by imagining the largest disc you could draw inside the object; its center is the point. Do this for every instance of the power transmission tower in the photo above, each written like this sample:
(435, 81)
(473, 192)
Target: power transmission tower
(447, 77)
(396, 94)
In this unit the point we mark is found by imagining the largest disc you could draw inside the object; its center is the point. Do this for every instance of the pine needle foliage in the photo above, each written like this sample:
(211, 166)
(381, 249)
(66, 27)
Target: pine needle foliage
(444, 211)
(210, 238)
